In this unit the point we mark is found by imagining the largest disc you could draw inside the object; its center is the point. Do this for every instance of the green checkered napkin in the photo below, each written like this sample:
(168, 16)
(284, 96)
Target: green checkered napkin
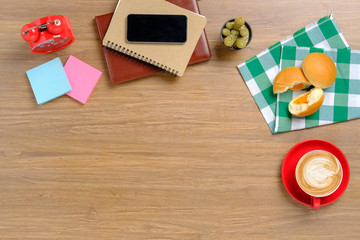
(259, 71)
(342, 99)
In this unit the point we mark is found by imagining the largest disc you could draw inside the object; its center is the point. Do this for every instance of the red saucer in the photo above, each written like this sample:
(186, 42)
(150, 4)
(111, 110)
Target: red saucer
(293, 156)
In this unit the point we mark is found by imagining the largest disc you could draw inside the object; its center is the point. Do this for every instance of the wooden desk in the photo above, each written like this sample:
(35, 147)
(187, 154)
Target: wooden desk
(190, 158)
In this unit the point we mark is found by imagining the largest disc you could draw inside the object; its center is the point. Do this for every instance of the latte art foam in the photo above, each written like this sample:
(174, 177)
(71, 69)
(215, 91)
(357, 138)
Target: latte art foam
(319, 173)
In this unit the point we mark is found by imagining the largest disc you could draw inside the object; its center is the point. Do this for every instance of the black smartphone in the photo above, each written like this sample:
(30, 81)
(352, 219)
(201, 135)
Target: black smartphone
(156, 28)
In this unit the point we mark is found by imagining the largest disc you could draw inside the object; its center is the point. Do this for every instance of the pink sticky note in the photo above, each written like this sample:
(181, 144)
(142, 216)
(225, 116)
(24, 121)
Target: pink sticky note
(82, 78)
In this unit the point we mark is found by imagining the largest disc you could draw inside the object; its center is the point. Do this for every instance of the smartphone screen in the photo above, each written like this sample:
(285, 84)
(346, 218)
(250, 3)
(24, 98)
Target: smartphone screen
(154, 28)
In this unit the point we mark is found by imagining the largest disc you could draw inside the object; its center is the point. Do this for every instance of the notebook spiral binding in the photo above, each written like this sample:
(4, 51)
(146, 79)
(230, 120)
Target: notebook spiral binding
(130, 53)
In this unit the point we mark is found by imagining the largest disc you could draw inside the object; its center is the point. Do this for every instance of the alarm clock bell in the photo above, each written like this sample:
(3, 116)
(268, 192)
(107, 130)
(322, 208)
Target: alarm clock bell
(48, 34)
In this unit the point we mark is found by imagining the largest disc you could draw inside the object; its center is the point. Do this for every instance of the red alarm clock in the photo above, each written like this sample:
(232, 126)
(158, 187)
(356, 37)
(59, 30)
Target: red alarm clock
(48, 34)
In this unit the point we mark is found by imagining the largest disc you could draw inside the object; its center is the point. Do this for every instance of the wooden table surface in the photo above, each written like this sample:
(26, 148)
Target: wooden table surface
(160, 158)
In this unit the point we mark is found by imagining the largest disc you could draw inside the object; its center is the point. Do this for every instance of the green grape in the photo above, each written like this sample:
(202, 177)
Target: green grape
(229, 25)
(225, 32)
(235, 33)
(241, 42)
(239, 21)
(244, 31)
(230, 40)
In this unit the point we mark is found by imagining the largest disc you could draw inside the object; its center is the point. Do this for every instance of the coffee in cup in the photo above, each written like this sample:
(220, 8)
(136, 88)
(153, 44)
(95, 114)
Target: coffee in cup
(318, 173)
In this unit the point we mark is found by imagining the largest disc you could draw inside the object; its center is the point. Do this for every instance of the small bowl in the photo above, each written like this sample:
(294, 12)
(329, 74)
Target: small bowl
(222, 37)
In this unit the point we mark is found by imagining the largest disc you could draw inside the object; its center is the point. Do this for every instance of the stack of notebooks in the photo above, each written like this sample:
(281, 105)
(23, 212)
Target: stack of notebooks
(128, 61)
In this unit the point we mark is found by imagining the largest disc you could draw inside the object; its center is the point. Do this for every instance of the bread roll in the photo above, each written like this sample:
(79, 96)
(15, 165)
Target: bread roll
(307, 103)
(319, 69)
(290, 78)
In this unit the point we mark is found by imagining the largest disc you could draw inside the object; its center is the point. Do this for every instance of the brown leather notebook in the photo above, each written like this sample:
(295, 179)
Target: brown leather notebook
(124, 68)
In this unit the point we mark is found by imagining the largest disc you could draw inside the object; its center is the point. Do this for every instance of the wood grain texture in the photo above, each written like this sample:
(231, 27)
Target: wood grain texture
(158, 158)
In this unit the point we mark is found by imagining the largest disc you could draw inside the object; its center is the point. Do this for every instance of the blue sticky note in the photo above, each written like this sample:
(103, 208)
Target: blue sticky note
(48, 81)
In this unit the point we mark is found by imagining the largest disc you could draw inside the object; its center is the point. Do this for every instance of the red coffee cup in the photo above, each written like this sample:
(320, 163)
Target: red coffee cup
(288, 172)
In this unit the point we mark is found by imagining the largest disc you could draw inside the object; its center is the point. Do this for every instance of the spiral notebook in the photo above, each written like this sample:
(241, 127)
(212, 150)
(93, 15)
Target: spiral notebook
(170, 57)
